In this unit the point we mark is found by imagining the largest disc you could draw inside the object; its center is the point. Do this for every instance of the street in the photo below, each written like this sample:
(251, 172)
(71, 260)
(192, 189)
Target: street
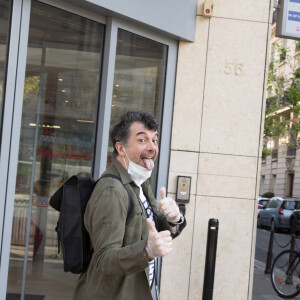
(280, 239)
(262, 287)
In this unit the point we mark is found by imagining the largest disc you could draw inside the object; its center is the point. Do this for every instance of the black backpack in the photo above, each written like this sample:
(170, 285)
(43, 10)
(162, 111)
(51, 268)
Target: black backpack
(71, 200)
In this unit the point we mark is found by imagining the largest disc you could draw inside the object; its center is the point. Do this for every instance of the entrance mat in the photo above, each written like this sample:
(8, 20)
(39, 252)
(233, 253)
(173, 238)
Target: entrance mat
(27, 297)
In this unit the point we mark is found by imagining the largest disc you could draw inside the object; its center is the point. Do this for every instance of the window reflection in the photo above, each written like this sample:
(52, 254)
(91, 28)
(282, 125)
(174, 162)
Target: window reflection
(5, 6)
(140, 69)
(57, 140)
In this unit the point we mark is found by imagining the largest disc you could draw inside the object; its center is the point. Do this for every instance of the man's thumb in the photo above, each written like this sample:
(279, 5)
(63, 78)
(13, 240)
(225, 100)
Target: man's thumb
(151, 225)
(163, 192)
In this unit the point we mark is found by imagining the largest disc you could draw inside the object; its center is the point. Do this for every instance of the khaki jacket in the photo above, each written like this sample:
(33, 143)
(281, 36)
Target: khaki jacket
(118, 269)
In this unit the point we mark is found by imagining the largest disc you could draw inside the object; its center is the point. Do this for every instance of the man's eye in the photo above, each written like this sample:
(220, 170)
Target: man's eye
(155, 142)
(142, 140)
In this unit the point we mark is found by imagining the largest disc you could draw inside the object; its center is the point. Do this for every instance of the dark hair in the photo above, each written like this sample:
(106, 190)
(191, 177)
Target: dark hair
(121, 131)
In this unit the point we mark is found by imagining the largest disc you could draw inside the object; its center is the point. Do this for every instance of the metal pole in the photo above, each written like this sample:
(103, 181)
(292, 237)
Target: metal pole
(270, 254)
(289, 278)
(293, 242)
(210, 261)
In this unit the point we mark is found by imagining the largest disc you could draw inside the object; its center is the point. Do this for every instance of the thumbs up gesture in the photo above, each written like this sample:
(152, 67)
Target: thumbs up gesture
(159, 243)
(168, 207)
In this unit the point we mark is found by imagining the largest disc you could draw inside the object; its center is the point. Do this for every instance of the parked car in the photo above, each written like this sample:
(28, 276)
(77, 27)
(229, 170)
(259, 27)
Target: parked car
(276, 215)
(262, 201)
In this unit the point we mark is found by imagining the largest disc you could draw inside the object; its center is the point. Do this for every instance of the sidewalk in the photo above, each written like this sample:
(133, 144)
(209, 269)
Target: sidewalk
(262, 286)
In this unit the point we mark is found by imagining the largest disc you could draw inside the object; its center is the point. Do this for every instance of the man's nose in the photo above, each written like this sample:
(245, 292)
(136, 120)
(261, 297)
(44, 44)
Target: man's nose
(151, 146)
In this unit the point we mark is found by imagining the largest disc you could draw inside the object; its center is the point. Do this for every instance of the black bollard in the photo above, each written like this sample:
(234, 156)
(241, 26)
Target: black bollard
(293, 242)
(210, 261)
(270, 254)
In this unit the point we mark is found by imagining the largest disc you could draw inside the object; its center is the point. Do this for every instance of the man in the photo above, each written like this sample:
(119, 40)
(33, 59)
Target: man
(126, 245)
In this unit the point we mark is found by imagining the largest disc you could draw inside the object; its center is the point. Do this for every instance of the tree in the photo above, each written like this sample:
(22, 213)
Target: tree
(284, 86)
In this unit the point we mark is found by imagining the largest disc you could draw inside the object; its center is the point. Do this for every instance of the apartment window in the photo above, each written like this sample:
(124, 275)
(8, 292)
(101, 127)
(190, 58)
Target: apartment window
(274, 18)
(290, 184)
(274, 154)
(275, 149)
(291, 151)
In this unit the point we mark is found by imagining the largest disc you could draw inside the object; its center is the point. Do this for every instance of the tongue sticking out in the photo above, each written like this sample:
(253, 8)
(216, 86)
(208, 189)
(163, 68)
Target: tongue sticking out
(149, 163)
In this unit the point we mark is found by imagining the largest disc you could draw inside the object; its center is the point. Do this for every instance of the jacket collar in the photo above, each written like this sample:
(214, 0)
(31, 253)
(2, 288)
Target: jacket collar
(147, 189)
(125, 177)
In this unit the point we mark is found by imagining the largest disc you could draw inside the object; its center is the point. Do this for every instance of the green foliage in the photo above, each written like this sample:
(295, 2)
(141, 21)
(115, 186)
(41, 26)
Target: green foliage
(268, 195)
(282, 55)
(297, 46)
(285, 90)
(266, 152)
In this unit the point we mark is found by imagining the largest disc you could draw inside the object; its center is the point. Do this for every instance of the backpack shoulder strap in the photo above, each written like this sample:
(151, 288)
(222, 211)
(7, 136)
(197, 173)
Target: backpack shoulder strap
(119, 179)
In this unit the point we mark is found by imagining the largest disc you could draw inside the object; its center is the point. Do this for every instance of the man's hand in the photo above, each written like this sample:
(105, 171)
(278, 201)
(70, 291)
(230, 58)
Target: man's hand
(159, 243)
(168, 207)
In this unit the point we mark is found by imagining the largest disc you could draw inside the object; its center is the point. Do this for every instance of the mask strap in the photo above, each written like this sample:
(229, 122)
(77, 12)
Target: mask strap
(125, 163)
(126, 153)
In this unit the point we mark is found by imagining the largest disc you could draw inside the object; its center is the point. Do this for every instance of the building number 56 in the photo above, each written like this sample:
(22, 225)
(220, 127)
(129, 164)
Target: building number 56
(234, 68)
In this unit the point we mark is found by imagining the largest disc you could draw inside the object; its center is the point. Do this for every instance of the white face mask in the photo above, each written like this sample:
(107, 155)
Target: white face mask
(138, 173)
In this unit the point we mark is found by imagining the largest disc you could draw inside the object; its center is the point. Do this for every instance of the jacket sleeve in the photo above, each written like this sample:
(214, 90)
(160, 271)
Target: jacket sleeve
(105, 220)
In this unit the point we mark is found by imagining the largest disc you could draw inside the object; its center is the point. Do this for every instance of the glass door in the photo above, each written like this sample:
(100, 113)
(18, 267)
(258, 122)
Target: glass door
(5, 13)
(57, 140)
(139, 78)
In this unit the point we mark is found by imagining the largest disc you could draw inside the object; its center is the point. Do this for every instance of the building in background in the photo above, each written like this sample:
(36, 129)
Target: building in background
(69, 69)
(280, 169)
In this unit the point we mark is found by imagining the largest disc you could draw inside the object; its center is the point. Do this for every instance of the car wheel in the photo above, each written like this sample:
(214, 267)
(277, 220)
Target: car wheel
(273, 226)
(258, 222)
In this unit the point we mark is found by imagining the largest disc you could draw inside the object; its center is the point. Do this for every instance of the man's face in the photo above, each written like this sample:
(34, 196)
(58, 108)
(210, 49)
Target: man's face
(142, 145)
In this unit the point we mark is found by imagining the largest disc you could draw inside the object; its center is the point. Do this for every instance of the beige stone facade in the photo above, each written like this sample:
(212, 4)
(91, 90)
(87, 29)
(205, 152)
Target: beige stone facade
(216, 139)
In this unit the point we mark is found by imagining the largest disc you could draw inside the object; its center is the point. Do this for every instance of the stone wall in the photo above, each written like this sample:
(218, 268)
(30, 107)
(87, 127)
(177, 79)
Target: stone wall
(216, 139)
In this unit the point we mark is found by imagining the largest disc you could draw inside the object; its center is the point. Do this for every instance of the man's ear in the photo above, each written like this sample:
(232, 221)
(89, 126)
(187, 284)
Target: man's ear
(120, 148)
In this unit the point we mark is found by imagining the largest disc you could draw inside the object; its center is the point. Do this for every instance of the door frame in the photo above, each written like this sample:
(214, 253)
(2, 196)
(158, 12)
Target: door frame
(110, 45)
(11, 127)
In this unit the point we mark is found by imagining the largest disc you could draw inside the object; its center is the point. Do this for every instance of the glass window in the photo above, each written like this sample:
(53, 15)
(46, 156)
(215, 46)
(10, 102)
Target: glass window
(289, 205)
(140, 70)
(5, 7)
(57, 140)
(297, 205)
